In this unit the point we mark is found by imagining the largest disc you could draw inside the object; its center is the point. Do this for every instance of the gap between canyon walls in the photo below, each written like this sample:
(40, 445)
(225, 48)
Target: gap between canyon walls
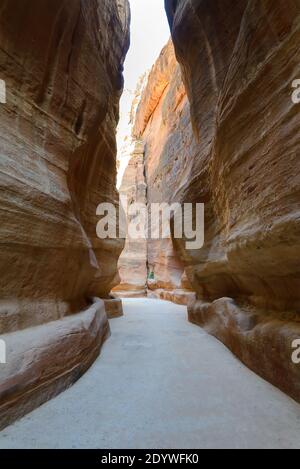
(62, 63)
(201, 129)
(162, 141)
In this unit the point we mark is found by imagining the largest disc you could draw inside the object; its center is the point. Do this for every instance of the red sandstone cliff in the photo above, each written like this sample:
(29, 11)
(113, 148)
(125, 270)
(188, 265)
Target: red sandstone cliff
(62, 63)
(231, 143)
(133, 260)
(162, 125)
(238, 61)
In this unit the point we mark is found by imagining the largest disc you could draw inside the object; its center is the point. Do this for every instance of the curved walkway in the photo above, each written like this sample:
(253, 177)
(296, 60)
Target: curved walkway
(162, 382)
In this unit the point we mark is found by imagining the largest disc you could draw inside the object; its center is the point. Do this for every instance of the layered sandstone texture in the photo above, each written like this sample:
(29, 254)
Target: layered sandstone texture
(133, 260)
(238, 61)
(44, 360)
(62, 64)
(113, 308)
(163, 124)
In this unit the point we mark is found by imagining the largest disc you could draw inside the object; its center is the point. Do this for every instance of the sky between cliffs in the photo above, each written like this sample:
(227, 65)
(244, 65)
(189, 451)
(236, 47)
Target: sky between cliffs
(149, 33)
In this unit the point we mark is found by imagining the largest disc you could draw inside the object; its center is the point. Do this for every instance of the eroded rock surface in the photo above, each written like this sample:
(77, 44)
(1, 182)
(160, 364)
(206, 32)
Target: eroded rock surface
(62, 64)
(44, 360)
(159, 165)
(133, 260)
(163, 124)
(113, 308)
(238, 61)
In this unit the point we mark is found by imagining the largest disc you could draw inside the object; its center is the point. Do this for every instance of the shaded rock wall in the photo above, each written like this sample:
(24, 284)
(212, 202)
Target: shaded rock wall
(238, 61)
(62, 63)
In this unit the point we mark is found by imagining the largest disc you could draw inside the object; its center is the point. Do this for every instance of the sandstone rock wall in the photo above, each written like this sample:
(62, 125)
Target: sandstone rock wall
(133, 260)
(238, 61)
(161, 129)
(163, 123)
(156, 173)
(62, 64)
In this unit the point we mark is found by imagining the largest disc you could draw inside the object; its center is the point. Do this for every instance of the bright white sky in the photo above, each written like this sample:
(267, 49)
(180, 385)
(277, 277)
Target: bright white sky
(149, 34)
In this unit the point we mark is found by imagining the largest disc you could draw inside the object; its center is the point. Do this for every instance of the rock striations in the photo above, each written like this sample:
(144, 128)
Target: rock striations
(220, 127)
(155, 173)
(163, 124)
(62, 64)
(133, 260)
(239, 60)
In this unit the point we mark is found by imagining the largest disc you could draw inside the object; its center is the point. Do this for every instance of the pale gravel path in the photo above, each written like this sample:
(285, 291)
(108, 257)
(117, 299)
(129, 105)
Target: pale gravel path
(162, 383)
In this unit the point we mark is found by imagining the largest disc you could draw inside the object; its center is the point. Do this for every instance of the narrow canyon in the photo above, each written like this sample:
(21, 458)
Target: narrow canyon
(218, 126)
(214, 123)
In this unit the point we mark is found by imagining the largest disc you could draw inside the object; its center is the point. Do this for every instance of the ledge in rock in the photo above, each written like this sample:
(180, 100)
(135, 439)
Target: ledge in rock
(130, 293)
(45, 360)
(178, 296)
(263, 342)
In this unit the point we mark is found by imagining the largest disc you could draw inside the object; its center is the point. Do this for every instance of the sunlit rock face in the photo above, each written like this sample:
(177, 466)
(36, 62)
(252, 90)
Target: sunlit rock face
(159, 164)
(163, 124)
(125, 140)
(62, 64)
(133, 260)
(238, 61)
